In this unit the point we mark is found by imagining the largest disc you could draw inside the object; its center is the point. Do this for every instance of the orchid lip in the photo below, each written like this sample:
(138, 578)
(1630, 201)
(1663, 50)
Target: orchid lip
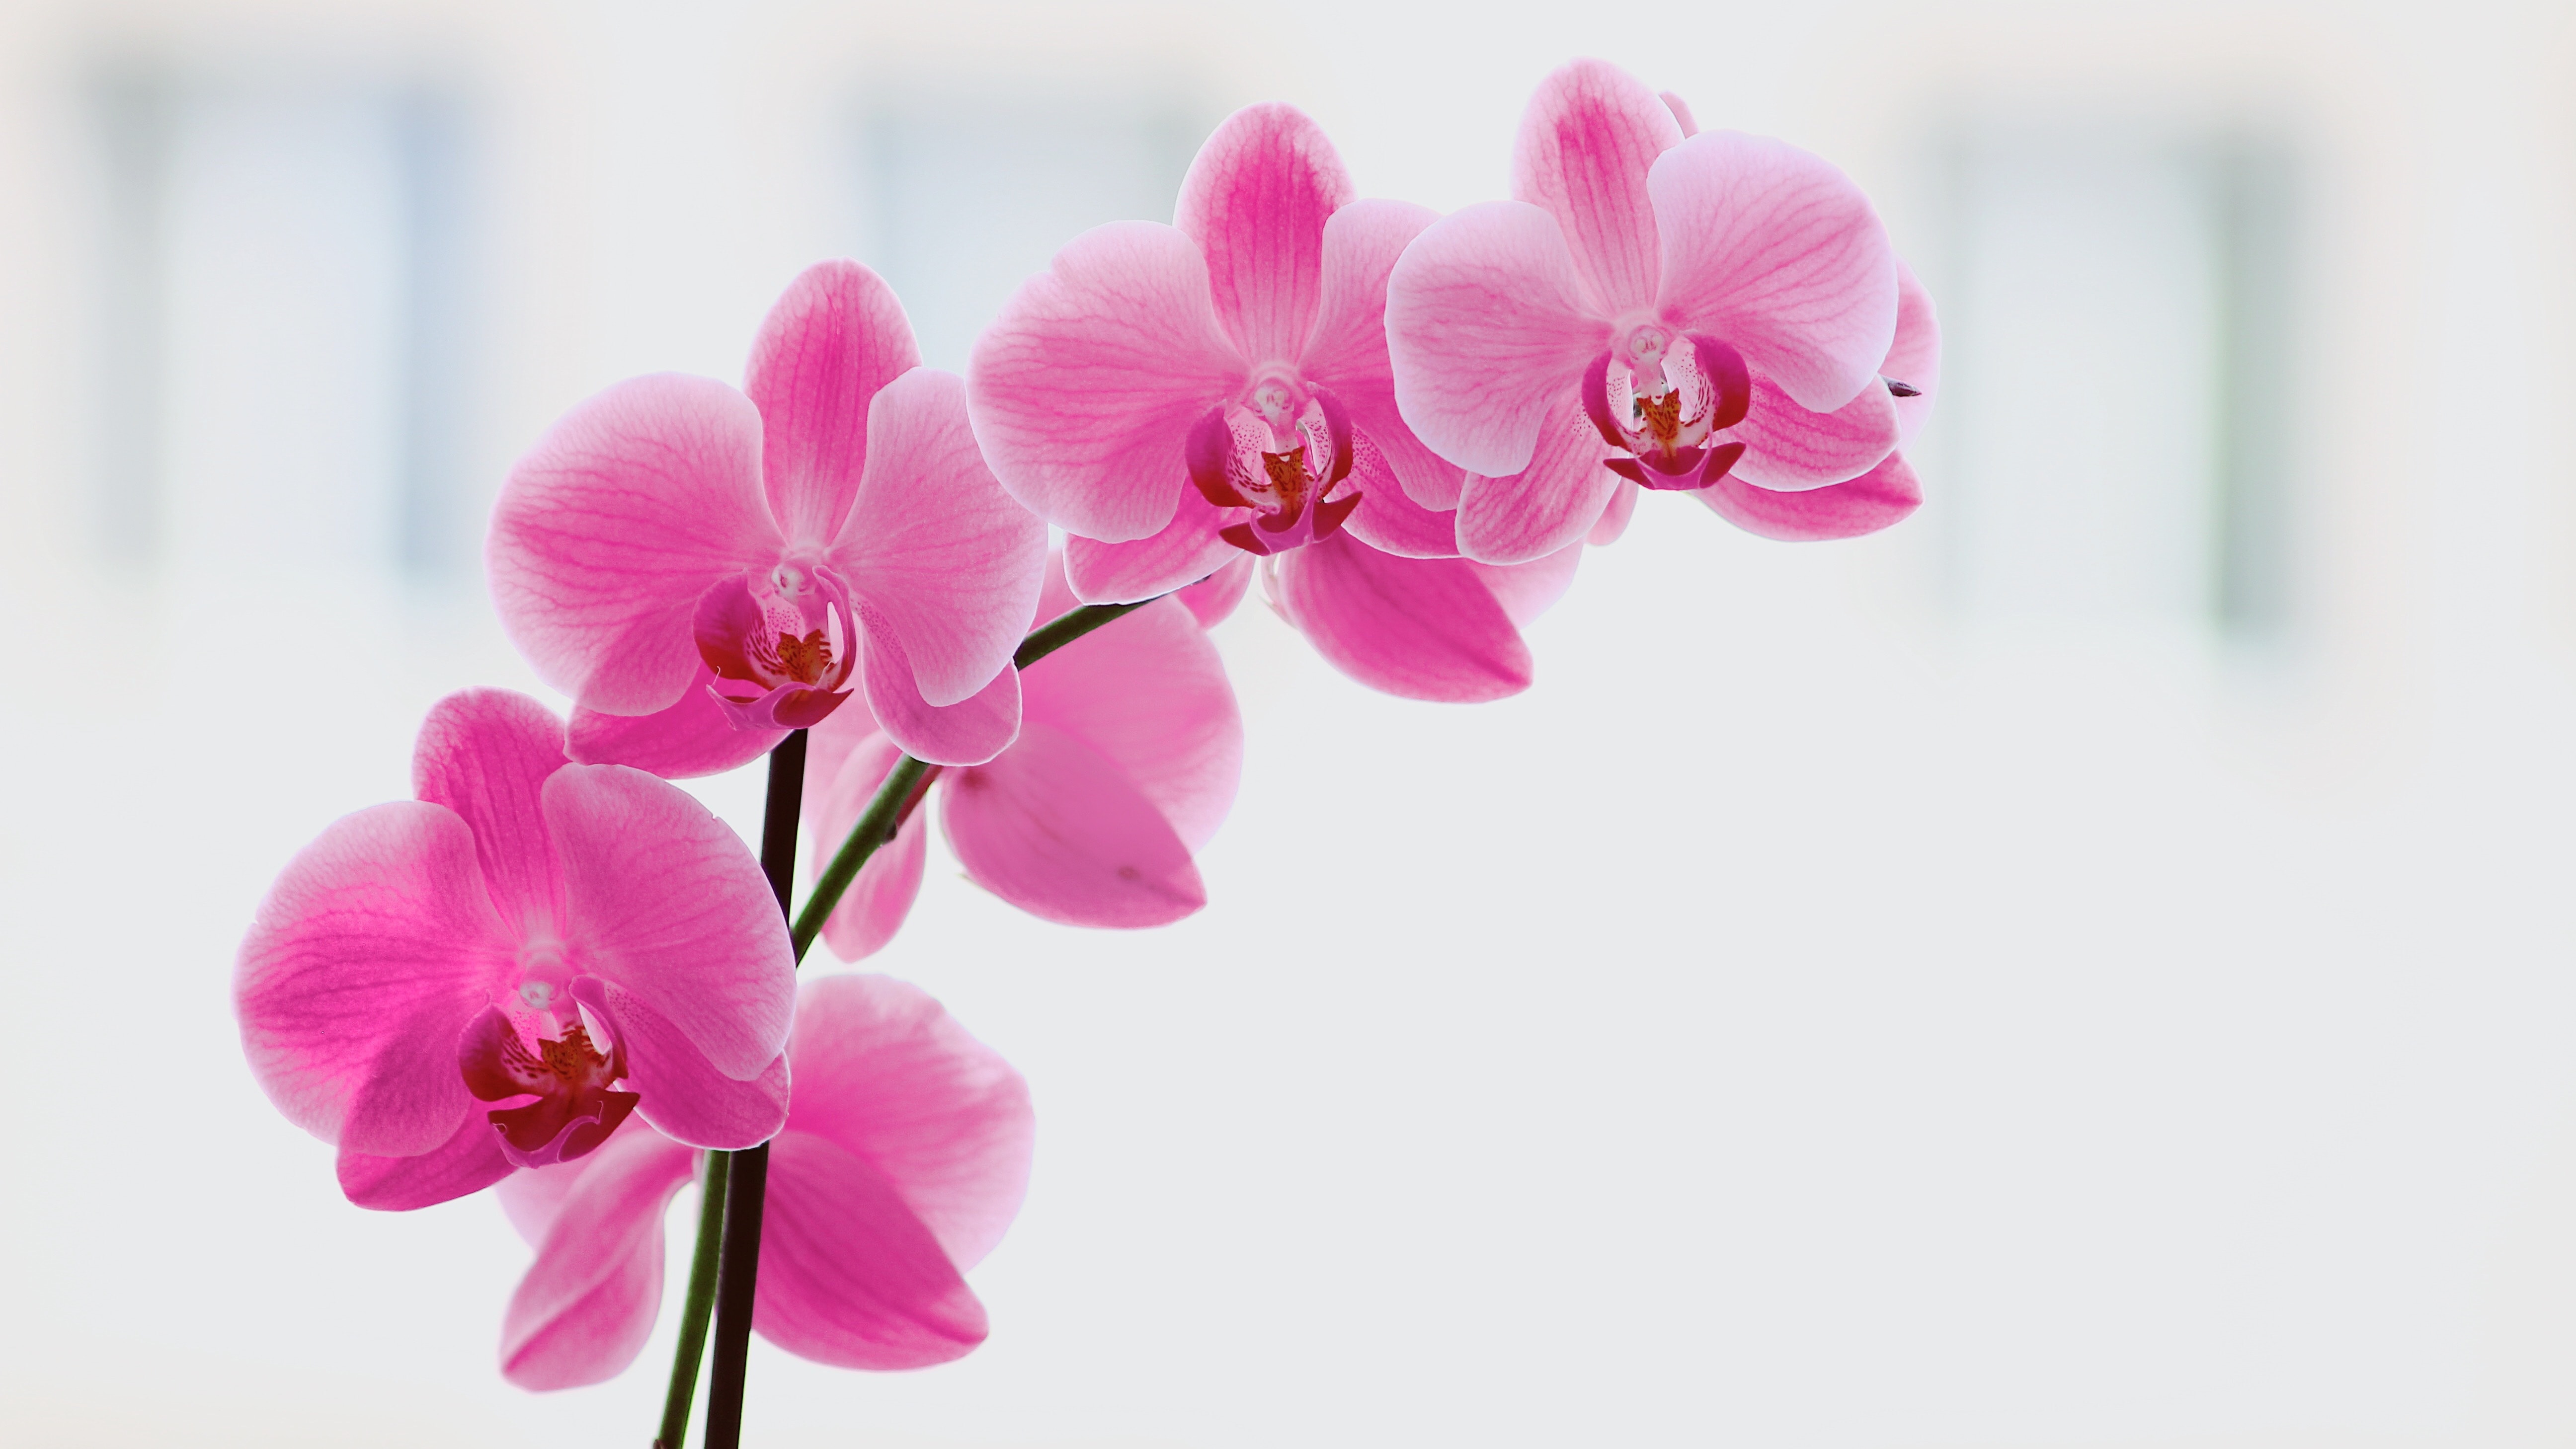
(1279, 450)
(1660, 398)
(568, 1074)
(781, 643)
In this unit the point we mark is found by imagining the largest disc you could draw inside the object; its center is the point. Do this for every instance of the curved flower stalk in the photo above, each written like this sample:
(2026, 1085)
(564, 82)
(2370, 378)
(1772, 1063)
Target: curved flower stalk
(703, 570)
(494, 975)
(904, 1159)
(1712, 313)
(1129, 753)
(1184, 399)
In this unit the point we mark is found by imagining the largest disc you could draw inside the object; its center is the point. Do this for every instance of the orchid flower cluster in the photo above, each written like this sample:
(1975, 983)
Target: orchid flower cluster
(555, 972)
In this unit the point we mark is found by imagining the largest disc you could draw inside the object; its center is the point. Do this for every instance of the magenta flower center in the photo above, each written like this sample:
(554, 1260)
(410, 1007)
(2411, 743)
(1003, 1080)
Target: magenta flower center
(1279, 449)
(1658, 397)
(781, 643)
(572, 1079)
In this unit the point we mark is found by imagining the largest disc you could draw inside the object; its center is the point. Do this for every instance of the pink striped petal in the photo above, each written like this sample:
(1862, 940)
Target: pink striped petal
(1255, 201)
(485, 754)
(683, 1096)
(692, 738)
(1681, 114)
(667, 902)
(587, 1304)
(834, 338)
(1486, 326)
(1149, 693)
(968, 732)
(1057, 829)
(1186, 551)
(1213, 600)
(607, 532)
(1772, 250)
(887, 1075)
(1388, 519)
(933, 546)
(837, 791)
(848, 1275)
(468, 1162)
(1553, 502)
(1420, 628)
(1586, 143)
(1883, 496)
(533, 1197)
(1528, 590)
(1084, 389)
(1614, 518)
(1787, 448)
(1347, 353)
(1915, 359)
(374, 948)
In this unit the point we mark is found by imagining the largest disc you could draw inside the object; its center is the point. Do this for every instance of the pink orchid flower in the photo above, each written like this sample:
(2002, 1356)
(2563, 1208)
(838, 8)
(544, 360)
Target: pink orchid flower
(703, 571)
(494, 975)
(1127, 760)
(904, 1159)
(1702, 312)
(1178, 397)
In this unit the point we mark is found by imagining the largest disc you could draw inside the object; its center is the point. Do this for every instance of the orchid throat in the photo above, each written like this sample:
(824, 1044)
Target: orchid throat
(1280, 450)
(1659, 397)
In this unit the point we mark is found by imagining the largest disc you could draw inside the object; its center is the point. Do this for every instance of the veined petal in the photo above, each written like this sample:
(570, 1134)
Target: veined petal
(1388, 519)
(1486, 325)
(587, 1304)
(692, 738)
(1056, 828)
(933, 545)
(838, 786)
(1915, 357)
(1776, 253)
(1551, 503)
(1876, 499)
(1419, 628)
(469, 1161)
(1186, 551)
(485, 754)
(1084, 388)
(1787, 448)
(375, 947)
(1255, 201)
(1149, 692)
(683, 1095)
(667, 902)
(968, 732)
(607, 532)
(834, 338)
(1212, 600)
(848, 1275)
(1586, 143)
(1528, 590)
(1347, 353)
(889, 1076)
(1614, 516)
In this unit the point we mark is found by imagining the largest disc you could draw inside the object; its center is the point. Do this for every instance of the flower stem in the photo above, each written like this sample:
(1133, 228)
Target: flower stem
(747, 1175)
(694, 1308)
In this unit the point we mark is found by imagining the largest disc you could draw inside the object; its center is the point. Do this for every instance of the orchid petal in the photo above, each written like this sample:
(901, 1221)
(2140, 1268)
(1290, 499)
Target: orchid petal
(834, 338)
(469, 1161)
(968, 732)
(485, 754)
(1787, 448)
(1915, 357)
(667, 902)
(1528, 590)
(692, 738)
(848, 1275)
(1551, 503)
(933, 546)
(374, 948)
(837, 792)
(1775, 252)
(1876, 499)
(1347, 353)
(533, 1197)
(1085, 387)
(1057, 829)
(1186, 551)
(1212, 600)
(1388, 519)
(1149, 693)
(610, 528)
(1255, 200)
(587, 1304)
(889, 1076)
(1586, 143)
(1420, 628)
(1681, 114)
(1614, 517)
(683, 1096)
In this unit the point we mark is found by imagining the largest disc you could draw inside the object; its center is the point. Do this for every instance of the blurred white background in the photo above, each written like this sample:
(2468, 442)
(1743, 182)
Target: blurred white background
(2090, 967)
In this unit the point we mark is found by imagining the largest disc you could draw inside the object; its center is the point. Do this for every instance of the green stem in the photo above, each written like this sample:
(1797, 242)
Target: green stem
(694, 1308)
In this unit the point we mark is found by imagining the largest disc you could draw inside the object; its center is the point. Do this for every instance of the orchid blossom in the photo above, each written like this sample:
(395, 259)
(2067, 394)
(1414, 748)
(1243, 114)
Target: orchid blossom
(703, 570)
(904, 1159)
(494, 975)
(1185, 398)
(1127, 760)
(1711, 312)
